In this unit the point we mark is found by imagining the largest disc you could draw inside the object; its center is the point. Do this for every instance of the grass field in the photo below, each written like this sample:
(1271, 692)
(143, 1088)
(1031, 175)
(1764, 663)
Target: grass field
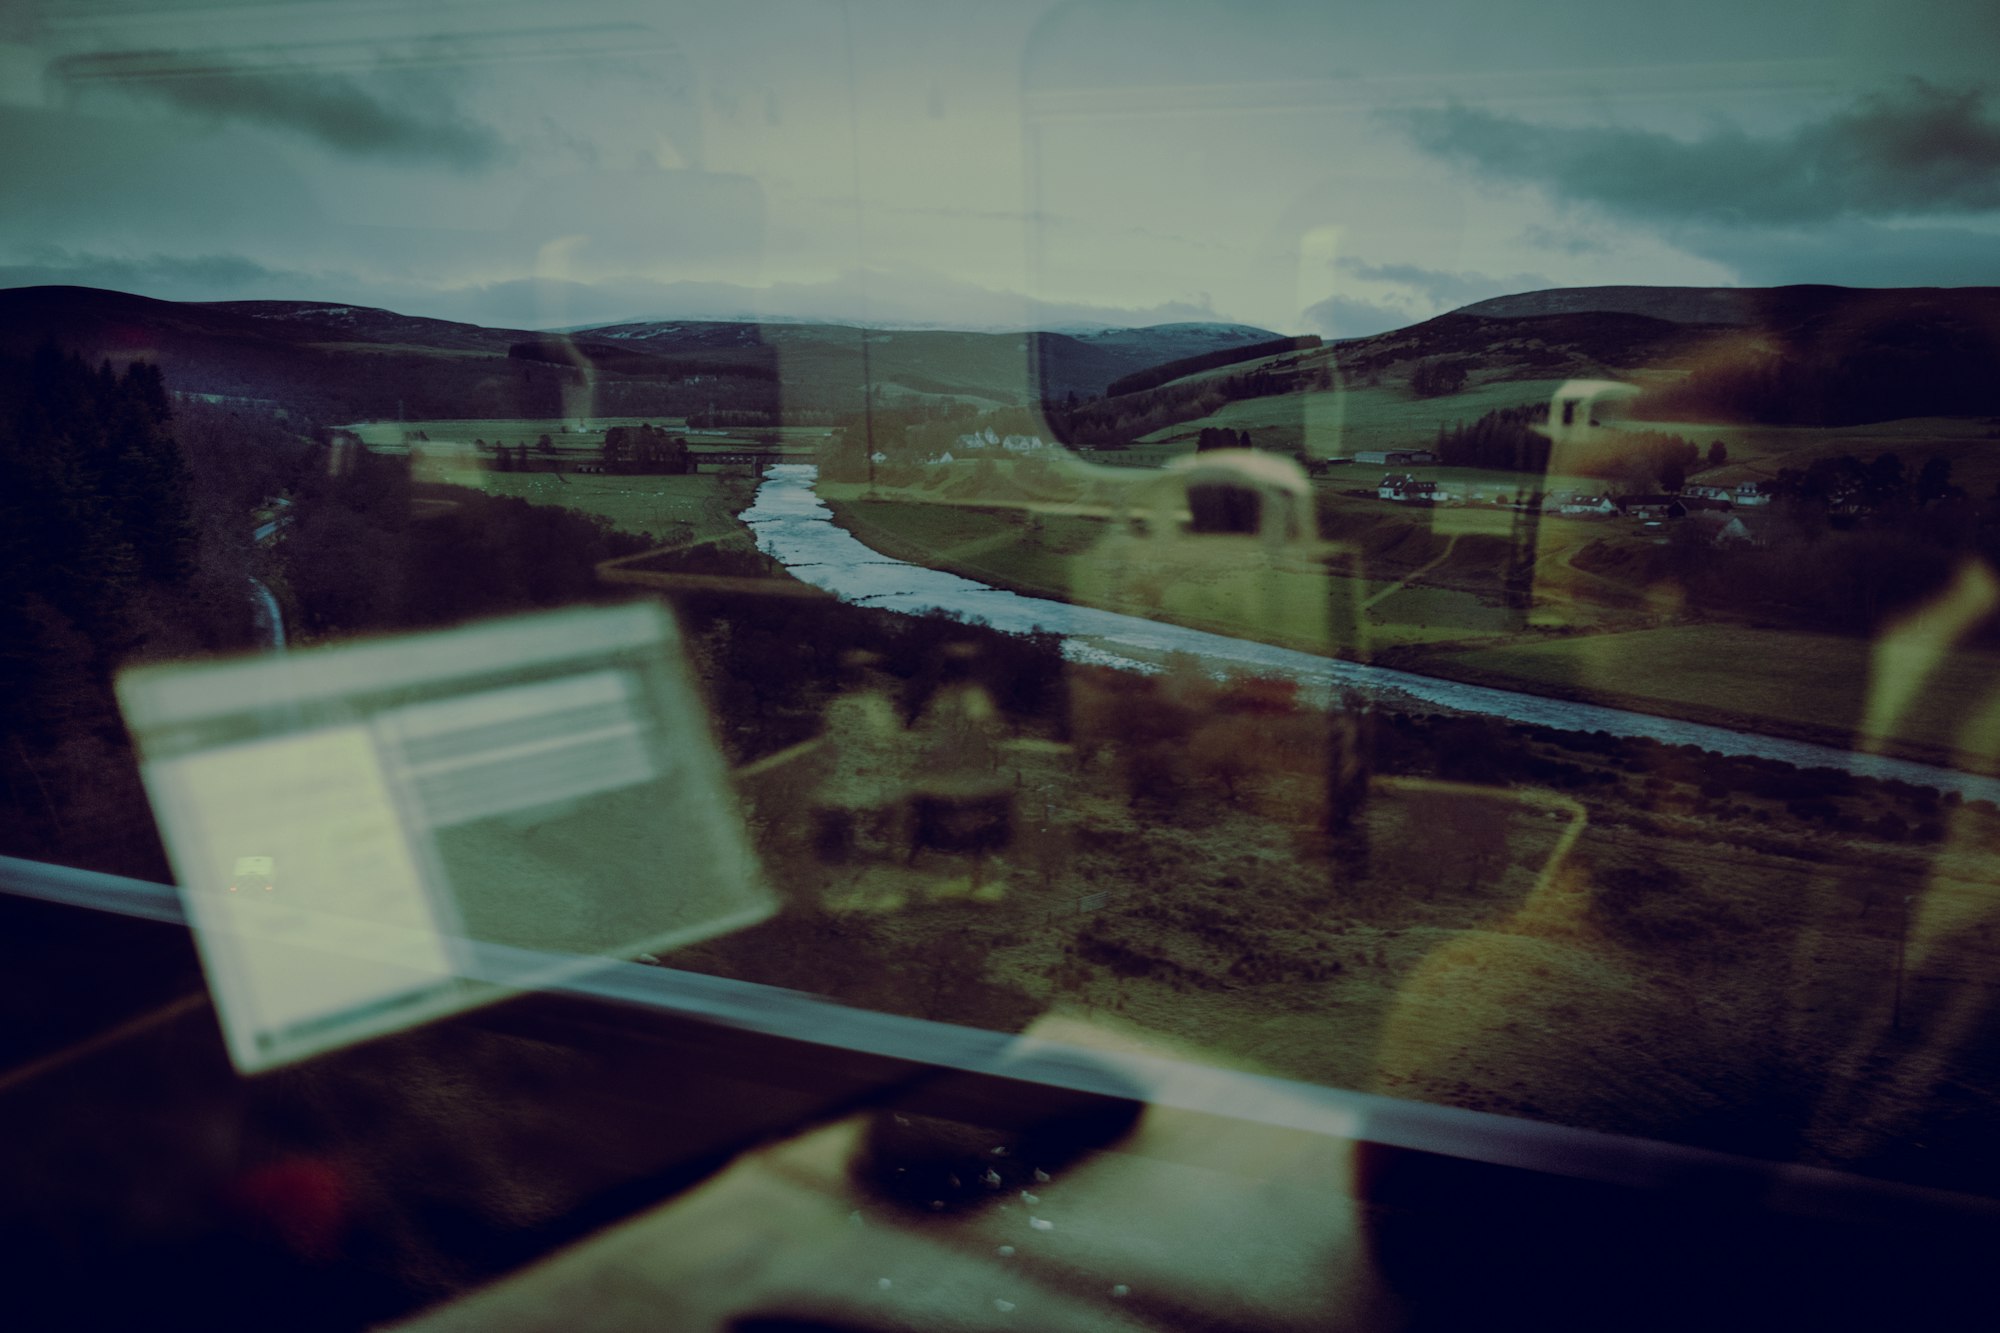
(1430, 602)
(565, 432)
(1665, 952)
(1088, 560)
(1808, 680)
(1338, 423)
(1334, 423)
(568, 435)
(675, 510)
(1757, 452)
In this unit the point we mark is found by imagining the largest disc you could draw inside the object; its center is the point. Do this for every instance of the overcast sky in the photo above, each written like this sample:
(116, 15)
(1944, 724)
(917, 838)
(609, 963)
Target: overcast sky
(1336, 167)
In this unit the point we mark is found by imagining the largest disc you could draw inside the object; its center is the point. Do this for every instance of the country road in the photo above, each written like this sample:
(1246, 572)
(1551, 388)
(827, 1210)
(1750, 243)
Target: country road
(793, 525)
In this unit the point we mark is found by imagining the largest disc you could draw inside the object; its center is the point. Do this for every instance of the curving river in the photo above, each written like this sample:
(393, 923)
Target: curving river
(794, 526)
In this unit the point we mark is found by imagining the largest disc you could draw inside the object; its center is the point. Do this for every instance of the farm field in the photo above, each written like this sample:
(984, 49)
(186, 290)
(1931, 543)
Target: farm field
(568, 435)
(1341, 422)
(1086, 560)
(1430, 602)
(1806, 679)
(675, 510)
(564, 431)
(1335, 423)
(993, 545)
(1758, 452)
(1658, 944)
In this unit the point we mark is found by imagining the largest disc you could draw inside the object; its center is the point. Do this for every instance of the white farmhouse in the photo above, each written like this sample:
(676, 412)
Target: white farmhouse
(1406, 489)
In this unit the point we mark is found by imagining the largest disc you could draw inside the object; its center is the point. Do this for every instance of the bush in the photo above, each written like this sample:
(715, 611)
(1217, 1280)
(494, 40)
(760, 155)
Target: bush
(1439, 376)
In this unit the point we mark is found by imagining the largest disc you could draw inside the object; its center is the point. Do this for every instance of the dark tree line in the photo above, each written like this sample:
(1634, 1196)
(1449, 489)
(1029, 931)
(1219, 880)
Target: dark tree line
(1882, 484)
(1155, 376)
(1904, 367)
(113, 549)
(645, 449)
(1439, 376)
(391, 386)
(361, 557)
(1846, 547)
(1502, 438)
(1116, 422)
(1506, 439)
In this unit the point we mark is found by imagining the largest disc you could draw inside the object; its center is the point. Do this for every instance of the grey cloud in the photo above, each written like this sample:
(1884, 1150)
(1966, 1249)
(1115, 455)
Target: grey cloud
(1854, 252)
(1918, 150)
(907, 296)
(169, 277)
(1563, 240)
(139, 185)
(1344, 317)
(1443, 287)
(970, 214)
(1172, 238)
(341, 112)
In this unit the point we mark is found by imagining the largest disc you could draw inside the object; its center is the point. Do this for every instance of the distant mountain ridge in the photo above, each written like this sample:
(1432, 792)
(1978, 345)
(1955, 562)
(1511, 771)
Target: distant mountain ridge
(372, 324)
(1768, 307)
(1802, 353)
(352, 362)
(1676, 305)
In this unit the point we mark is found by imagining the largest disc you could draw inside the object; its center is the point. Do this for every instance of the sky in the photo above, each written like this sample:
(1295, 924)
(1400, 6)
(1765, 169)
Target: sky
(1335, 167)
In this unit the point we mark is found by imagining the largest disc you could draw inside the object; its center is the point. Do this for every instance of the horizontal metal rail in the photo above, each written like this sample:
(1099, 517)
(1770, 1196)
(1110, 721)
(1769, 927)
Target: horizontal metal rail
(1476, 1136)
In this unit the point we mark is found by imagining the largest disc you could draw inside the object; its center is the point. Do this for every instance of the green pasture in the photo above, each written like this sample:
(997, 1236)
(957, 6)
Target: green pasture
(1292, 602)
(675, 510)
(588, 433)
(1757, 452)
(1335, 423)
(567, 434)
(1796, 677)
(1338, 423)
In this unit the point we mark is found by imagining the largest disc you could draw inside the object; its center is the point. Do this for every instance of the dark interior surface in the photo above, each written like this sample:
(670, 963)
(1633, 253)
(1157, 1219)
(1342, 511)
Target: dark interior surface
(145, 1182)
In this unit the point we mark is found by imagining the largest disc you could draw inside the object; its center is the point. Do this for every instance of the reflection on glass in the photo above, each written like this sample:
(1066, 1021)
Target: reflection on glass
(436, 817)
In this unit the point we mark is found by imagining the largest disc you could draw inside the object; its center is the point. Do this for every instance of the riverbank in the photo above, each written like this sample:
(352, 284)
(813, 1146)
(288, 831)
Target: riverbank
(796, 526)
(988, 558)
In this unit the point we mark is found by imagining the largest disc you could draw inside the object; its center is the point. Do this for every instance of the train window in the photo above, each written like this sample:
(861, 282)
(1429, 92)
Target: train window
(1437, 565)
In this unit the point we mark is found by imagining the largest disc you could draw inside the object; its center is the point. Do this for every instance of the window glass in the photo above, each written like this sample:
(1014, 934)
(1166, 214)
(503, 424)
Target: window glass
(1436, 550)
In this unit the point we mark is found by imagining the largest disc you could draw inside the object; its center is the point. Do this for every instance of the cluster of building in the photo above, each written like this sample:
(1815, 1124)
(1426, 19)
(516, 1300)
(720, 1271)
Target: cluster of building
(1743, 495)
(975, 443)
(1408, 489)
(1709, 506)
(991, 439)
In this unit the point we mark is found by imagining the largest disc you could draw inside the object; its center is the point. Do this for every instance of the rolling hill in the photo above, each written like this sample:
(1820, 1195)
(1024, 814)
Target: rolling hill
(343, 362)
(1783, 356)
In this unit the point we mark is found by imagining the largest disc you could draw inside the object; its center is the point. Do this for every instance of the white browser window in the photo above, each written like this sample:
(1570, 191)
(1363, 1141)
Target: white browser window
(433, 820)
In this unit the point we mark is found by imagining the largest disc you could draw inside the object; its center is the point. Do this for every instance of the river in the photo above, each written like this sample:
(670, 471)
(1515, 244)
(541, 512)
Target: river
(794, 526)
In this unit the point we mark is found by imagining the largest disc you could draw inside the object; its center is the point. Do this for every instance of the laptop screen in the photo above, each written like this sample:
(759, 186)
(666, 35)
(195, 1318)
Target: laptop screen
(371, 835)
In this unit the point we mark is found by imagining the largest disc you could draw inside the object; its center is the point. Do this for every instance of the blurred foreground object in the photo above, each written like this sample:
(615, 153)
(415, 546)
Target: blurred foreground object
(456, 814)
(1148, 1217)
